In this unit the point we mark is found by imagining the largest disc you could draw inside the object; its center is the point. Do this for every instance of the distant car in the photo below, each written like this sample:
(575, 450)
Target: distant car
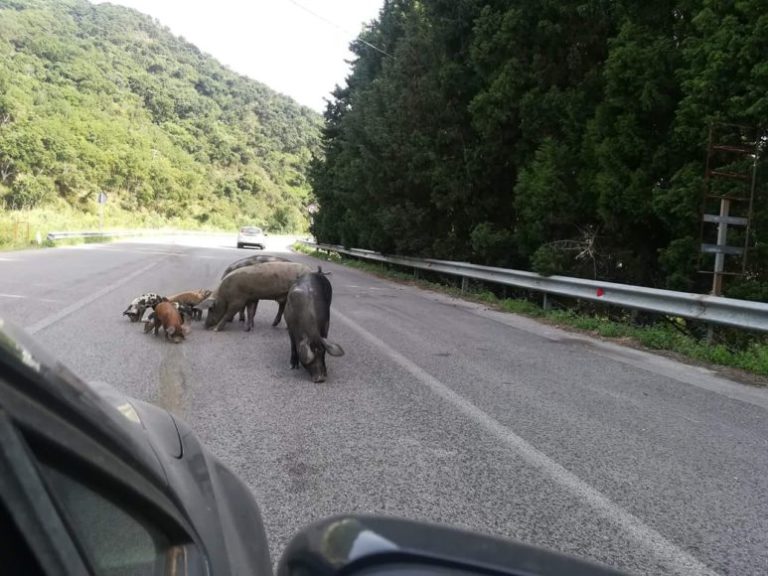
(251, 236)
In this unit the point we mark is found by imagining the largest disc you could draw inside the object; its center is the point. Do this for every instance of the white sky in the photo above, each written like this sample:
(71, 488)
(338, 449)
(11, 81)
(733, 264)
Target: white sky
(272, 41)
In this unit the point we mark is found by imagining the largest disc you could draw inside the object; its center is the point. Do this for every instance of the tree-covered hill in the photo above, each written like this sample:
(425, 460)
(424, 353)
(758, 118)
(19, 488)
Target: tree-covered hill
(101, 97)
(565, 135)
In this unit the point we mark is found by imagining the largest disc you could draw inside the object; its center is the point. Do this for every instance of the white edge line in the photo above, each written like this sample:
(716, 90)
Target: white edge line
(74, 307)
(678, 560)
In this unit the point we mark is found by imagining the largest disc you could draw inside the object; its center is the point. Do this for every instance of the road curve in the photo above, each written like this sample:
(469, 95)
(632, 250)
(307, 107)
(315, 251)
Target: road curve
(440, 410)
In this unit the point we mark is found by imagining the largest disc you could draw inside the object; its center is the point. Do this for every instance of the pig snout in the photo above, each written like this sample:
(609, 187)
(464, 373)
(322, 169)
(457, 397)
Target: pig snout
(133, 313)
(313, 359)
(317, 370)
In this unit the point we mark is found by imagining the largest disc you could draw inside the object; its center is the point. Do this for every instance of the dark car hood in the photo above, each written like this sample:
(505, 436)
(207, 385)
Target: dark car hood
(112, 416)
(218, 506)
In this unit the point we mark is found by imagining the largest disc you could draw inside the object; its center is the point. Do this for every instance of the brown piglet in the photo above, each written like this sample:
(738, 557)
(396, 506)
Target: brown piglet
(168, 317)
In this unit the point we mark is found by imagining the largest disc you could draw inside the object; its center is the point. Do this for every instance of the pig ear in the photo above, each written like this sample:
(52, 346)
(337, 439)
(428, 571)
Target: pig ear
(305, 353)
(332, 348)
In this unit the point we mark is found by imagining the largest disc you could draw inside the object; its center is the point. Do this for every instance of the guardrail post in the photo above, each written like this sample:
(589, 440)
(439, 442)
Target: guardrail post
(546, 304)
(464, 284)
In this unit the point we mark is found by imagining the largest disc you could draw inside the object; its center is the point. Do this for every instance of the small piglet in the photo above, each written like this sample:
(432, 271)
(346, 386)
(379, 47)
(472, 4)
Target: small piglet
(167, 316)
(188, 300)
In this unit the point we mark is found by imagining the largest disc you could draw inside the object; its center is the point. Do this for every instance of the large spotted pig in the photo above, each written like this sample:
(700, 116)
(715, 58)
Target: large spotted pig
(249, 261)
(246, 286)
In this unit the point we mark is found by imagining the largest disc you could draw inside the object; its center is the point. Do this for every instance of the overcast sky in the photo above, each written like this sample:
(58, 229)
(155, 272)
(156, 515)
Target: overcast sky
(273, 41)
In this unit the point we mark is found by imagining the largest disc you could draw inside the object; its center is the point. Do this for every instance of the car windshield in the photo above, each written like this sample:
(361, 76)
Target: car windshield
(506, 267)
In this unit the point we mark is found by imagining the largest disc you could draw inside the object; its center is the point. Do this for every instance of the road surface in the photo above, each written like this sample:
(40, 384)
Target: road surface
(440, 410)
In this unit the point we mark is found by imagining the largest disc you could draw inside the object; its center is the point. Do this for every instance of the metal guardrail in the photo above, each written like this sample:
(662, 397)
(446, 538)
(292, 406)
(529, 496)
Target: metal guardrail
(715, 309)
(53, 236)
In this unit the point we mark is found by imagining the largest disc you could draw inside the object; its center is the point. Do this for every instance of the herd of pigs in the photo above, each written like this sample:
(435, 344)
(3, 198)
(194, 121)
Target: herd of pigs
(303, 296)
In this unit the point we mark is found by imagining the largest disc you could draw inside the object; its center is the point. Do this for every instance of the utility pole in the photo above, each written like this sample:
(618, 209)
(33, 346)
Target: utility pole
(729, 180)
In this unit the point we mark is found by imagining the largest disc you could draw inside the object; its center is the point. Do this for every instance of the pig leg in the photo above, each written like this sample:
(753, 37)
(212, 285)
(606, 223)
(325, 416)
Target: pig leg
(280, 308)
(232, 309)
(294, 354)
(149, 323)
(251, 313)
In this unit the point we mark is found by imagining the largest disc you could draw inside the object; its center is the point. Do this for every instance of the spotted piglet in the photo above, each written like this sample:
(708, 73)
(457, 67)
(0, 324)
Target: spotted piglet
(138, 306)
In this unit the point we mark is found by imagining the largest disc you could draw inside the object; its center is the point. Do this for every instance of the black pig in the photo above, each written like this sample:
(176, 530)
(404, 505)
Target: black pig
(308, 315)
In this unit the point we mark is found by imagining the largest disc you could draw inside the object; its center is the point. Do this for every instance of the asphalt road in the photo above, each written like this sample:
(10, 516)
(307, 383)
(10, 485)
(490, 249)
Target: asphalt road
(440, 410)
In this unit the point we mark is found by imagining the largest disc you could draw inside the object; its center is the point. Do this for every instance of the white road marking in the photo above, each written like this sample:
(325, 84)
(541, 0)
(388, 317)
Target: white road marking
(74, 307)
(21, 296)
(676, 559)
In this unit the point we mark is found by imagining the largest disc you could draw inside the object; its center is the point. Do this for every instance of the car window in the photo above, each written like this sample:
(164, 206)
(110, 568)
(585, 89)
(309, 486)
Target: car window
(116, 541)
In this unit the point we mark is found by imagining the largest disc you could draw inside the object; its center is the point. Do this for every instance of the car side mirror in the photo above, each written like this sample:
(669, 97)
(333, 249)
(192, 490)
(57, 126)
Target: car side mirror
(376, 546)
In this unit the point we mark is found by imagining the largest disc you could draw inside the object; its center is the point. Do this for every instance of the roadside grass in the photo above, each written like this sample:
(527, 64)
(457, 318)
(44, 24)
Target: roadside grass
(750, 355)
(20, 229)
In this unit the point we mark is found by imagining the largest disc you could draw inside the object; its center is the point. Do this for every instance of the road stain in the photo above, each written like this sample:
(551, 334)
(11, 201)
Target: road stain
(301, 475)
(172, 387)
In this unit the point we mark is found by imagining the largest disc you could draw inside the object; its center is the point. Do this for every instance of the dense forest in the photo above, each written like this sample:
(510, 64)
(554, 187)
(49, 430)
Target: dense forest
(567, 136)
(103, 98)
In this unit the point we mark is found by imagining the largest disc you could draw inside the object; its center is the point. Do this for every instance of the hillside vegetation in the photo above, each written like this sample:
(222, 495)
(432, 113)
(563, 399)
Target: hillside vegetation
(103, 98)
(567, 136)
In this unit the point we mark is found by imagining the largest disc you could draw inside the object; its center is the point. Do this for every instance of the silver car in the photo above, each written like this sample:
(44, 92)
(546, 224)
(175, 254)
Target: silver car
(251, 236)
